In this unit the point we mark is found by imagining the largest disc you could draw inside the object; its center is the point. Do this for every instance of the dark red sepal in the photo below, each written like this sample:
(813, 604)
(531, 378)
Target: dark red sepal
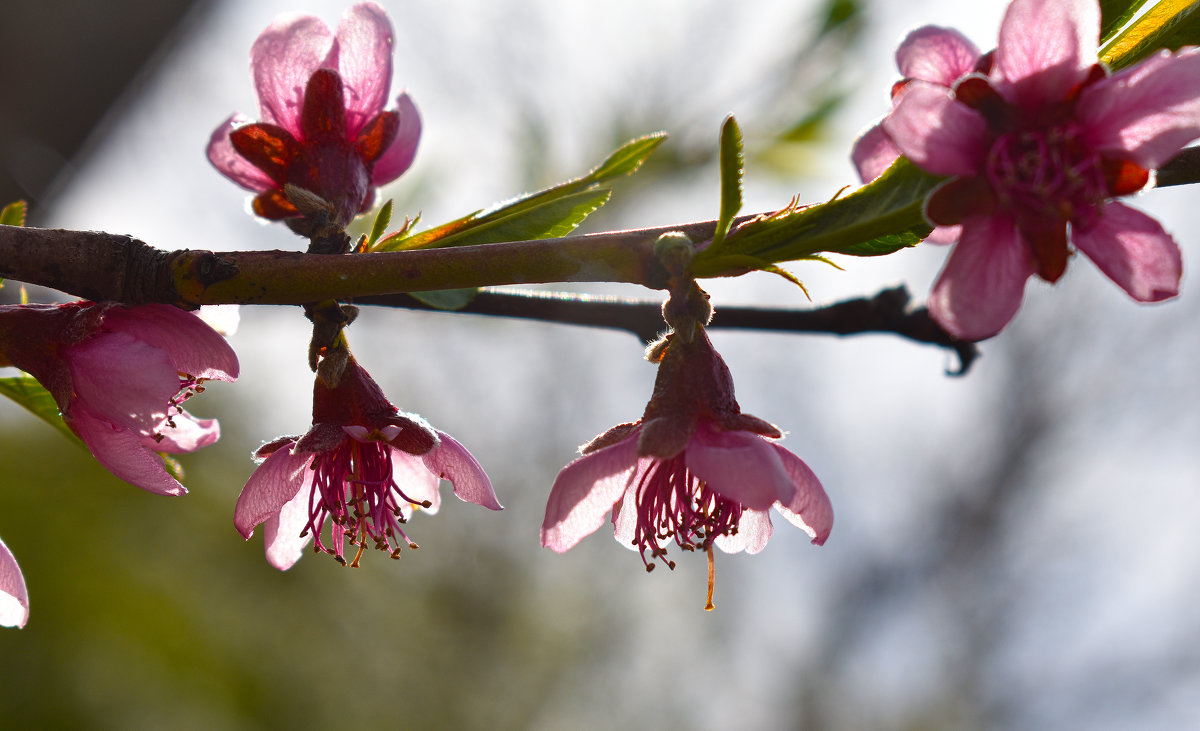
(376, 136)
(273, 205)
(957, 198)
(323, 118)
(979, 94)
(268, 147)
(1123, 177)
(1048, 238)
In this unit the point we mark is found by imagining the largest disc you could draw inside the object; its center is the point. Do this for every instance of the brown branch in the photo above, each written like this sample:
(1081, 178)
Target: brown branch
(886, 312)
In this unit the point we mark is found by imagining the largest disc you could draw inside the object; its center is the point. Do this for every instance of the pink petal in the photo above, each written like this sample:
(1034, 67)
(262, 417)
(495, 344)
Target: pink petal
(873, 153)
(1046, 47)
(193, 346)
(451, 461)
(944, 234)
(584, 491)
(936, 132)
(232, 165)
(274, 482)
(739, 465)
(624, 513)
(1134, 251)
(809, 509)
(14, 599)
(122, 453)
(415, 479)
(283, 59)
(365, 63)
(1148, 111)
(981, 287)
(282, 541)
(754, 530)
(937, 55)
(399, 155)
(188, 435)
(122, 380)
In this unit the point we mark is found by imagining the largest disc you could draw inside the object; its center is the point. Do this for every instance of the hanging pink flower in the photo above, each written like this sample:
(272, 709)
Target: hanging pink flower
(362, 468)
(14, 599)
(120, 377)
(1035, 152)
(324, 127)
(694, 470)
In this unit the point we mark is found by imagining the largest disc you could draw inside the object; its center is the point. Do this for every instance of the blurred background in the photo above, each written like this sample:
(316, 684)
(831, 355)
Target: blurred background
(1013, 550)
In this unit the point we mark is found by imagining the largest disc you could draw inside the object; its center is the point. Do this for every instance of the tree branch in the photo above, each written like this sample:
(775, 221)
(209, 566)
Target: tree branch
(886, 312)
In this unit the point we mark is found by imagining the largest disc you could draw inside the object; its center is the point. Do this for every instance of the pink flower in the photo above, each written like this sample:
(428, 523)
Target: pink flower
(694, 470)
(120, 377)
(14, 599)
(1036, 150)
(362, 468)
(324, 128)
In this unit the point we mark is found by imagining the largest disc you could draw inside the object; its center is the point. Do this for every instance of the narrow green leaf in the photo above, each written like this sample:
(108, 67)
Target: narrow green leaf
(877, 219)
(732, 164)
(381, 223)
(13, 214)
(447, 299)
(1114, 14)
(27, 392)
(1169, 24)
(532, 216)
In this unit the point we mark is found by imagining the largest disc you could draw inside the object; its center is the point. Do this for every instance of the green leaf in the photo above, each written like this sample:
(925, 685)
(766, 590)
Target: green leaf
(1169, 24)
(549, 213)
(447, 299)
(1114, 14)
(877, 219)
(13, 214)
(27, 392)
(732, 164)
(381, 223)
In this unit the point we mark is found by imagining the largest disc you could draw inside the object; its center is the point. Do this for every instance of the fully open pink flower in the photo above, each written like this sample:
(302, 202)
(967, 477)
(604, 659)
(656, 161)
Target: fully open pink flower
(14, 599)
(120, 376)
(1036, 150)
(693, 470)
(363, 467)
(324, 127)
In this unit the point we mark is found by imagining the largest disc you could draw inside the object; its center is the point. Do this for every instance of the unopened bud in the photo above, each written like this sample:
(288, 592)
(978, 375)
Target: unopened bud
(675, 251)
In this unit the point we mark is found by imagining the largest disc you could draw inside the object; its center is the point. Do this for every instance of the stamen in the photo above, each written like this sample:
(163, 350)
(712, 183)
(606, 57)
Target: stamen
(712, 579)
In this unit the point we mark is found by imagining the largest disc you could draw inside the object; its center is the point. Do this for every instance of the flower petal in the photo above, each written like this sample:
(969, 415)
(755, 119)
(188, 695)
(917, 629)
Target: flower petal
(983, 282)
(282, 59)
(122, 380)
(1147, 112)
(809, 509)
(739, 465)
(282, 539)
(938, 133)
(1046, 47)
(1134, 251)
(193, 346)
(754, 530)
(415, 479)
(14, 598)
(399, 155)
(230, 163)
(944, 234)
(584, 491)
(937, 55)
(451, 461)
(873, 153)
(122, 453)
(274, 482)
(187, 435)
(365, 61)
